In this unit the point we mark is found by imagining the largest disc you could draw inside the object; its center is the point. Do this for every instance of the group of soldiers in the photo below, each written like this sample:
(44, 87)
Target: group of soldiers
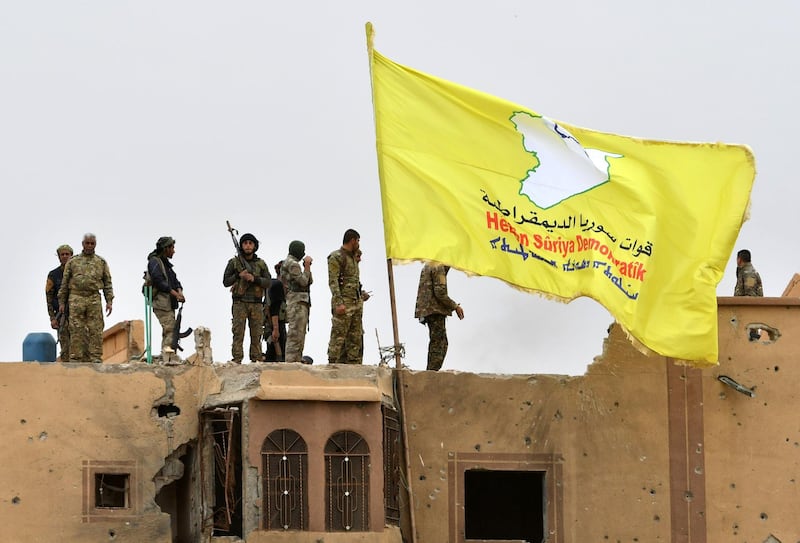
(278, 309)
(275, 310)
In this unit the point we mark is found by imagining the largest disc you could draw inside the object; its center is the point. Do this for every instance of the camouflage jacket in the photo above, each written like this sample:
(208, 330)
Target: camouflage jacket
(748, 282)
(343, 278)
(244, 291)
(85, 275)
(297, 280)
(432, 298)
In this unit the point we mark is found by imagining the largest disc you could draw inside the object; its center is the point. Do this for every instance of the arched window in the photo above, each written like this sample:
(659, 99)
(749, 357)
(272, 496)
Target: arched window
(347, 483)
(285, 476)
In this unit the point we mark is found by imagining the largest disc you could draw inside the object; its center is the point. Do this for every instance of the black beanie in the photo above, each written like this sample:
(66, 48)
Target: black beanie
(248, 237)
(297, 249)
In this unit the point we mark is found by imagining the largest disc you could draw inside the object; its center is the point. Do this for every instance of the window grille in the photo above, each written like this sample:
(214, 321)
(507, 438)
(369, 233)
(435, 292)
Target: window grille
(347, 483)
(285, 478)
(391, 464)
(223, 425)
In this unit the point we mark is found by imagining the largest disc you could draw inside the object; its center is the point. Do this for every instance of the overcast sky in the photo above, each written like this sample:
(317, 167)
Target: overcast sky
(137, 119)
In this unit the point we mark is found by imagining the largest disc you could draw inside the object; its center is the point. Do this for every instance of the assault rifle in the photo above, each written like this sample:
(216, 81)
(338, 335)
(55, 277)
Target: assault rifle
(61, 317)
(239, 252)
(176, 333)
(242, 260)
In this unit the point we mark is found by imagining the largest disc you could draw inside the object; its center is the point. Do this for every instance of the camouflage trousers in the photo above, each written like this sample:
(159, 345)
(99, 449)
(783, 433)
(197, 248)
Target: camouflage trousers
(85, 328)
(162, 307)
(296, 326)
(63, 341)
(437, 341)
(347, 336)
(243, 312)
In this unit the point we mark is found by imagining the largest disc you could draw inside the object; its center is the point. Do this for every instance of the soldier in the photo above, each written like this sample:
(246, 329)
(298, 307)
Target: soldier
(346, 303)
(84, 276)
(748, 283)
(433, 307)
(58, 321)
(167, 293)
(275, 324)
(248, 278)
(298, 299)
(364, 297)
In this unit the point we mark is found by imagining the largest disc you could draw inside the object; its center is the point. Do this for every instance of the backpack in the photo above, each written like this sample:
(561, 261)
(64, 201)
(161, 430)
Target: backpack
(148, 280)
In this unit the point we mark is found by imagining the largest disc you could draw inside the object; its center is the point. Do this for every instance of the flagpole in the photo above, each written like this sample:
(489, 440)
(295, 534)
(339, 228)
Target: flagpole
(393, 304)
(392, 301)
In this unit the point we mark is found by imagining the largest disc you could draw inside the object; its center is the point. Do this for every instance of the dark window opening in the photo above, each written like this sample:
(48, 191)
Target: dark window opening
(504, 505)
(285, 478)
(347, 483)
(112, 490)
(169, 410)
(225, 428)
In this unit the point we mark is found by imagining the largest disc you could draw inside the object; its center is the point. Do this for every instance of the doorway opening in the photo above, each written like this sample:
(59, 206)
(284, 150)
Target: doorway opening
(177, 495)
(504, 505)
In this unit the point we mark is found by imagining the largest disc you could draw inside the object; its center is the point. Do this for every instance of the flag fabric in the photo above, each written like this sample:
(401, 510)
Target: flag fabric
(494, 188)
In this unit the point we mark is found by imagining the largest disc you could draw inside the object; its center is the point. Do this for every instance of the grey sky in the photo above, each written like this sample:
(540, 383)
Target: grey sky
(135, 120)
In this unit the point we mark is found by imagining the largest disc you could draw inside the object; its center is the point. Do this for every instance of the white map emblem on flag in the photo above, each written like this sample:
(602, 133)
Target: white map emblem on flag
(565, 167)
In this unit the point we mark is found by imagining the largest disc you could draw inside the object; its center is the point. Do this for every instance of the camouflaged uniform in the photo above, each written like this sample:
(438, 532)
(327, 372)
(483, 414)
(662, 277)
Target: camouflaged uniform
(748, 282)
(84, 277)
(346, 329)
(433, 307)
(298, 302)
(54, 279)
(247, 306)
(360, 337)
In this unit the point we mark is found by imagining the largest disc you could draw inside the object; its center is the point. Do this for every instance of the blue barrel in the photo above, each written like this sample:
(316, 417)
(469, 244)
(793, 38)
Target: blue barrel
(39, 347)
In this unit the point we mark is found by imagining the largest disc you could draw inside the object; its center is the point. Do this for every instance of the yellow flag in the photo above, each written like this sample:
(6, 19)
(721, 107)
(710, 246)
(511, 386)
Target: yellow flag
(493, 188)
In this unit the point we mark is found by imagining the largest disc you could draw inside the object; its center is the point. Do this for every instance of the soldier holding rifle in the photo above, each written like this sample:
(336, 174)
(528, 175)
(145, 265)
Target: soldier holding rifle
(248, 278)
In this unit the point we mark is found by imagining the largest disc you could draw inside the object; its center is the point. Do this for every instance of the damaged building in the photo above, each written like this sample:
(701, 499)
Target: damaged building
(639, 449)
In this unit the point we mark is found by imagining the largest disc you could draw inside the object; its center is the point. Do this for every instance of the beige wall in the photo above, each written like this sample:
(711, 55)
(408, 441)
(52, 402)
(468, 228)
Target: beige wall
(637, 449)
(610, 428)
(59, 418)
(753, 444)
(651, 451)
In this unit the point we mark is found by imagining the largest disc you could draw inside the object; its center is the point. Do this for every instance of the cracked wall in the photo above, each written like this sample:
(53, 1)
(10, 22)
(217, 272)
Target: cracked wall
(754, 471)
(59, 419)
(675, 452)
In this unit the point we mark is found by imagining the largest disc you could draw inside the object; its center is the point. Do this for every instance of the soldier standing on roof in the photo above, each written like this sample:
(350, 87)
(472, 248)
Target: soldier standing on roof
(275, 324)
(58, 320)
(346, 304)
(297, 279)
(167, 292)
(748, 283)
(84, 276)
(248, 278)
(433, 307)
(364, 297)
